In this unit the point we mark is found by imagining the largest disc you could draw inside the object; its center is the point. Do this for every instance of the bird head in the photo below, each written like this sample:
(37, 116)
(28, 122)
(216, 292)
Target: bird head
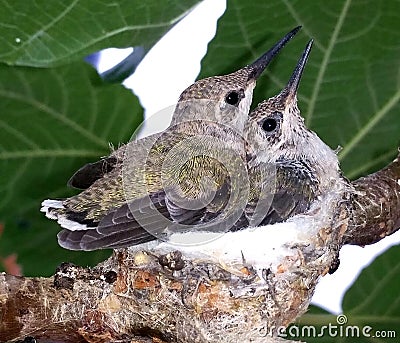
(226, 98)
(276, 133)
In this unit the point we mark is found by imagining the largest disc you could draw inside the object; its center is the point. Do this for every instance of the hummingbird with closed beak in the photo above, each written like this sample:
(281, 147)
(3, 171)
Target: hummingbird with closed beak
(140, 192)
(289, 165)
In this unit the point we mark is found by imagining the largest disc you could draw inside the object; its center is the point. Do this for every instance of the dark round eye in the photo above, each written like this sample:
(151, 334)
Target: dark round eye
(232, 98)
(269, 124)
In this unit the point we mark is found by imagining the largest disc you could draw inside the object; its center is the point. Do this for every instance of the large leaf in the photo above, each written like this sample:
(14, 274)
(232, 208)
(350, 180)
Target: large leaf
(374, 300)
(47, 33)
(52, 121)
(371, 308)
(350, 90)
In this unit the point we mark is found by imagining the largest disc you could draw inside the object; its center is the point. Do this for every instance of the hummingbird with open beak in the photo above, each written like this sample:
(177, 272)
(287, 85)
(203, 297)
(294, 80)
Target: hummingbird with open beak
(125, 198)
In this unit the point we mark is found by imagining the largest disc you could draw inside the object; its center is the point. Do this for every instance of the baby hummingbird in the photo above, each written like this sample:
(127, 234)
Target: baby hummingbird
(289, 165)
(224, 99)
(168, 181)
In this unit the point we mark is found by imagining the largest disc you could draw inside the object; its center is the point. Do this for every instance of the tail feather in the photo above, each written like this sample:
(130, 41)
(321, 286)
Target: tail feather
(55, 210)
(92, 240)
(119, 232)
(50, 207)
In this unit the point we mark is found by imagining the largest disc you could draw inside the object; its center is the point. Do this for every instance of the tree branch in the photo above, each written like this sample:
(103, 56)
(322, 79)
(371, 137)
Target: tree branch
(131, 298)
(375, 208)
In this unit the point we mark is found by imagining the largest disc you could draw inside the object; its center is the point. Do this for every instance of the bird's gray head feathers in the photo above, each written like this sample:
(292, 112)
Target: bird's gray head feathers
(276, 131)
(226, 98)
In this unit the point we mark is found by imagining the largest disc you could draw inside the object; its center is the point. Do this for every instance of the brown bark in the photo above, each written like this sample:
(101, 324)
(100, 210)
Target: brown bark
(375, 208)
(128, 298)
(74, 306)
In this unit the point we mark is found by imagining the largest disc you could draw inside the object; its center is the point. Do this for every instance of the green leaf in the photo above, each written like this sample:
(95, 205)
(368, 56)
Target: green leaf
(47, 33)
(374, 299)
(55, 120)
(371, 308)
(52, 121)
(350, 89)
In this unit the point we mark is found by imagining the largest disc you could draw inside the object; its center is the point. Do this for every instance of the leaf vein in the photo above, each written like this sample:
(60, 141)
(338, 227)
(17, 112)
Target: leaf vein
(369, 125)
(41, 153)
(325, 61)
(55, 114)
(49, 25)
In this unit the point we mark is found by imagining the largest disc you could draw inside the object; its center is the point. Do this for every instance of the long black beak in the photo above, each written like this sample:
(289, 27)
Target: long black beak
(293, 84)
(261, 63)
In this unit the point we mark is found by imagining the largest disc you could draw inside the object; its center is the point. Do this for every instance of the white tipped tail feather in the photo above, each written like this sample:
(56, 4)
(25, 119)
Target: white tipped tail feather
(49, 205)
